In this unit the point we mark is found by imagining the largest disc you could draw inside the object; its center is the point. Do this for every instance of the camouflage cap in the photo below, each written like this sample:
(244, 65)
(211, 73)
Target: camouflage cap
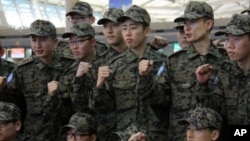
(179, 25)
(42, 28)
(203, 118)
(80, 7)
(195, 10)
(9, 111)
(111, 15)
(137, 14)
(245, 11)
(81, 122)
(80, 29)
(238, 25)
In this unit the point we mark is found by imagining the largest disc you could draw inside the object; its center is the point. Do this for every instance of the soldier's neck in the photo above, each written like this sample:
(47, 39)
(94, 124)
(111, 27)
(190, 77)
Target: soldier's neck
(47, 60)
(122, 47)
(91, 56)
(203, 45)
(140, 50)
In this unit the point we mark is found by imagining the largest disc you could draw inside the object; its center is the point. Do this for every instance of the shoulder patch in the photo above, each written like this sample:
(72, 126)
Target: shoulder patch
(25, 61)
(177, 53)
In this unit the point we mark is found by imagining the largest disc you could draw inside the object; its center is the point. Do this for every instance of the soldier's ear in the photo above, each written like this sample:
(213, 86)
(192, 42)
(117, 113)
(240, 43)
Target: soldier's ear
(215, 135)
(93, 137)
(92, 19)
(18, 125)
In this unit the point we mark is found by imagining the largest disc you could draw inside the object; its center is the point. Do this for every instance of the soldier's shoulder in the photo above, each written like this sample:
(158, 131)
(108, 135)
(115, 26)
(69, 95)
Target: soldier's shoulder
(67, 56)
(177, 53)
(227, 66)
(7, 62)
(26, 61)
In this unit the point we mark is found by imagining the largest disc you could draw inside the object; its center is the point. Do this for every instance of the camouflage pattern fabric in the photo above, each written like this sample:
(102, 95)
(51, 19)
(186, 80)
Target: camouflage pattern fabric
(238, 25)
(24, 137)
(81, 8)
(6, 67)
(82, 122)
(9, 111)
(137, 14)
(43, 111)
(130, 93)
(185, 91)
(63, 47)
(196, 10)
(80, 29)
(42, 28)
(234, 84)
(202, 117)
(112, 14)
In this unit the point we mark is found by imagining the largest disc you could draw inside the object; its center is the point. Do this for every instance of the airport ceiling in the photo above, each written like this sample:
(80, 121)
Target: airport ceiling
(167, 10)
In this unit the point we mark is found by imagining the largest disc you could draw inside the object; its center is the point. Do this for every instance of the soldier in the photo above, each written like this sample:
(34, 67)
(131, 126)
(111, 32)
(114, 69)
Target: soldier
(124, 86)
(6, 68)
(83, 12)
(80, 12)
(198, 21)
(10, 122)
(81, 127)
(37, 77)
(203, 124)
(233, 78)
(181, 37)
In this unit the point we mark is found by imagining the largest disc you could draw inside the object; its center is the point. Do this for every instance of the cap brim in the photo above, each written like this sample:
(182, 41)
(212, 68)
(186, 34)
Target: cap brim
(180, 19)
(104, 20)
(220, 33)
(34, 34)
(245, 11)
(66, 127)
(73, 12)
(184, 122)
(67, 34)
(123, 18)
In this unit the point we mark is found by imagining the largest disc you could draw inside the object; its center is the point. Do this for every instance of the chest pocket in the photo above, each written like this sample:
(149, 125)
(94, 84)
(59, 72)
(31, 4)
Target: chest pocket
(183, 81)
(124, 85)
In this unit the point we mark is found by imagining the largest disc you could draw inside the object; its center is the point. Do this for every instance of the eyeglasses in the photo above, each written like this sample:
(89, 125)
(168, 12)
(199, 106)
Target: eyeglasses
(77, 42)
(77, 135)
(5, 123)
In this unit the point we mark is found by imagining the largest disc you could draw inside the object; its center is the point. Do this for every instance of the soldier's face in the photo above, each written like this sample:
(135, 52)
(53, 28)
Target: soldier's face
(8, 130)
(181, 37)
(74, 18)
(74, 135)
(238, 47)
(81, 47)
(197, 29)
(194, 134)
(113, 33)
(43, 46)
(133, 33)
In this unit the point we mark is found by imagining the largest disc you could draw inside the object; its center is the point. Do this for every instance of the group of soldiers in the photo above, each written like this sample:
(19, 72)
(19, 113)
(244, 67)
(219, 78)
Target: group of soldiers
(82, 89)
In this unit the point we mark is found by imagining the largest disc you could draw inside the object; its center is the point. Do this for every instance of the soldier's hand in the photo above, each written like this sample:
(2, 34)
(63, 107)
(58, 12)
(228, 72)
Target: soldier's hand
(218, 42)
(103, 74)
(82, 69)
(3, 82)
(159, 42)
(203, 73)
(139, 136)
(145, 67)
(52, 88)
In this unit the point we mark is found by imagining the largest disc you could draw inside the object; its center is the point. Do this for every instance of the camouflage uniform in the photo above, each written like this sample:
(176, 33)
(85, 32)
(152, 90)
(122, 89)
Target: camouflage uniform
(182, 64)
(202, 118)
(82, 122)
(9, 111)
(81, 87)
(31, 77)
(83, 9)
(128, 91)
(234, 84)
